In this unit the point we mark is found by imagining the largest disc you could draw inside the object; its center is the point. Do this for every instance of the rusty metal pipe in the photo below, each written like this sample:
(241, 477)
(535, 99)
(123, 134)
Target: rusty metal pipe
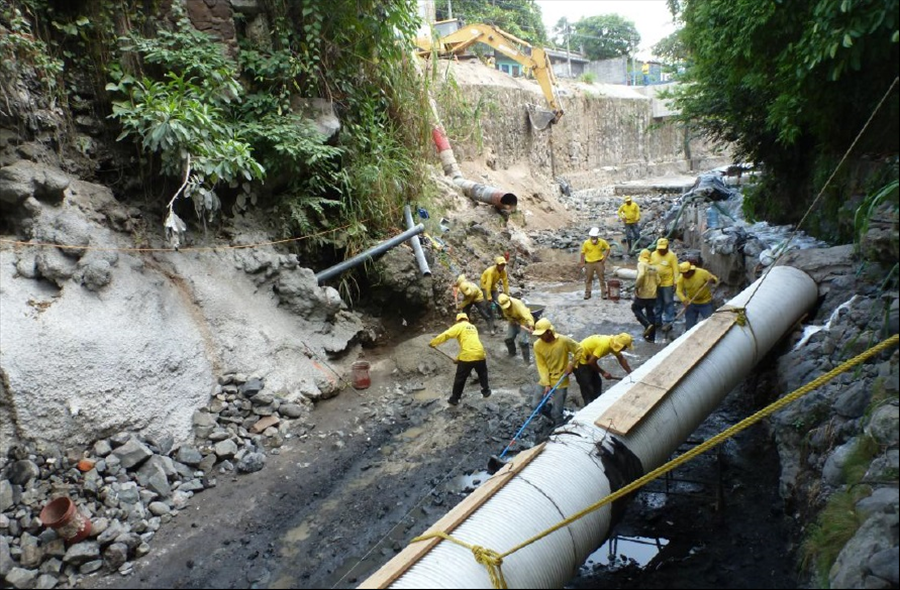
(368, 254)
(482, 193)
(416, 244)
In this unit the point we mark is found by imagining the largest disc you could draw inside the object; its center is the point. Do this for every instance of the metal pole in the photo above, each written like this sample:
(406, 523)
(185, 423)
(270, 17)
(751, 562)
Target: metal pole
(568, 51)
(416, 244)
(370, 253)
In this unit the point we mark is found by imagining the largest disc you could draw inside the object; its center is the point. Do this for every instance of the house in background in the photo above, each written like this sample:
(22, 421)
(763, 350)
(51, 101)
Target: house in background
(561, 59)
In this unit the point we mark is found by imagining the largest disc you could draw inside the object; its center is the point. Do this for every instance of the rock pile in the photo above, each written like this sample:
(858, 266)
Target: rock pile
(130, 485)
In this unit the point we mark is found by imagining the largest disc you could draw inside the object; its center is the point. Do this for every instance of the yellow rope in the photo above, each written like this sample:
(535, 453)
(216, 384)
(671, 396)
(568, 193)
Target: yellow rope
(486, 557)
(493, 560)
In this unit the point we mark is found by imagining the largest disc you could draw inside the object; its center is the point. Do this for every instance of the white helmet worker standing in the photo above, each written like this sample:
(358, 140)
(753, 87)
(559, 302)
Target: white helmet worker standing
(594, 251)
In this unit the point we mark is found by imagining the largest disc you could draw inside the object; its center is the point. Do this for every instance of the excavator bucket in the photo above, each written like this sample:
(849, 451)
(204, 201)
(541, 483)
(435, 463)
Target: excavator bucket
(540, 118)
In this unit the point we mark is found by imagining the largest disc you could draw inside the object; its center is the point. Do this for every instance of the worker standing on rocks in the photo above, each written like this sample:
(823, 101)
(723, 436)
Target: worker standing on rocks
(593, 260)
(666, 264)
(587, 367)
(471, 356)
(554, 355)
(492, 278)
(694, 290)
(630, 214)
(645, 287)
(520, 323)
(473, 297)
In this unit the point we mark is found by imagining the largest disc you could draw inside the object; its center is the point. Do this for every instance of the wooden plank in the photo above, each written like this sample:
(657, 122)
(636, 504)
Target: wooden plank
(644, 395)
(413, 552)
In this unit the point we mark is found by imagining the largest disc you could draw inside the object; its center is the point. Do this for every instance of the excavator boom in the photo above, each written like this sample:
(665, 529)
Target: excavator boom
(533, 59)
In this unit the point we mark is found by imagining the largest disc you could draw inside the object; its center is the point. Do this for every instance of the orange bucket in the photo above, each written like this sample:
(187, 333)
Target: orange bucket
(361, 379)
(64, 517)
(614, 286)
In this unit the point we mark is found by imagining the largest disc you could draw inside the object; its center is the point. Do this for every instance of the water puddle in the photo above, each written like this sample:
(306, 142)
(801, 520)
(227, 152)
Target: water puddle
(621, 551)
(425, 395)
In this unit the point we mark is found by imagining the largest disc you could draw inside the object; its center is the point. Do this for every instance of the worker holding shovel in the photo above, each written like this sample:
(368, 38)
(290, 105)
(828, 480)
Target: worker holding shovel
(520, 323)
(471, 356)
(587, 368)
(492, 279)
(666, 264)
(554, 355)
(473, 297)
(694, 290)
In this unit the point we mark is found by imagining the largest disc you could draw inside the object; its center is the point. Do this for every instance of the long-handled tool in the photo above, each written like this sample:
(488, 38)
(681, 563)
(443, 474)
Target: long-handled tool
(443, 353)
(651, 327)
(495, 462)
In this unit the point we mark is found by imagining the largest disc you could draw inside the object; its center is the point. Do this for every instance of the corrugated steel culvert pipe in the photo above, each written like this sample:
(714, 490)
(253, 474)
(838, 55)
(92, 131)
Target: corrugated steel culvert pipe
(644, 419)
(502, 200)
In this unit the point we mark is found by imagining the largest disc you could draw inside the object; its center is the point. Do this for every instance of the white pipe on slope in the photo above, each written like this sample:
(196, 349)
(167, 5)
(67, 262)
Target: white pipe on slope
(570, 474)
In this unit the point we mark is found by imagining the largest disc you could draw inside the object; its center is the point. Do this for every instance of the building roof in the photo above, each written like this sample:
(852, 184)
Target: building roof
(555, 53)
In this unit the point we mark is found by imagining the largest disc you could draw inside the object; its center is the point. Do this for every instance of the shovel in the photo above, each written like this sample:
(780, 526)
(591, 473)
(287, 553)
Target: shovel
(651, 327)
(444, 353)
(495, 463)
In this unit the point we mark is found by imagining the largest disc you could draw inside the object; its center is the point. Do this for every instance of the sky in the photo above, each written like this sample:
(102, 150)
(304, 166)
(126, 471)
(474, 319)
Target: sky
(651, 17)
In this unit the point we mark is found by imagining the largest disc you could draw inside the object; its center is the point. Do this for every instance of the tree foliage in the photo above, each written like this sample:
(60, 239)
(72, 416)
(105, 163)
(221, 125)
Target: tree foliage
(783, 82)
(522, 18)
(605, 36)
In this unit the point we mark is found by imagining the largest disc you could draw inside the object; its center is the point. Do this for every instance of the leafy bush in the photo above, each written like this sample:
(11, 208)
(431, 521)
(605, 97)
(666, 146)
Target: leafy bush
(588, 77)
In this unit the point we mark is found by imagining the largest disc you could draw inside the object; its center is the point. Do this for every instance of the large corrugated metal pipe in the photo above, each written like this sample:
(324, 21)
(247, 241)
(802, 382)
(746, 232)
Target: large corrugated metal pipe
(631, 429)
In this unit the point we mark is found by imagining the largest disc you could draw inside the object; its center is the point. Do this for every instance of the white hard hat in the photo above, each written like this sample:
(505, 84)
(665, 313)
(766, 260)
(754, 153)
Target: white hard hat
(595, 232)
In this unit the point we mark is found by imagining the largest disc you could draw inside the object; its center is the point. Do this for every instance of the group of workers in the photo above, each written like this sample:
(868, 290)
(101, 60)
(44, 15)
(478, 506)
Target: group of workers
(660, 278)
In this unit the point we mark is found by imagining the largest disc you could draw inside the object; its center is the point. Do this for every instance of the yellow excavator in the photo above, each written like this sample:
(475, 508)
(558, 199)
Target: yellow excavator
(452, 38)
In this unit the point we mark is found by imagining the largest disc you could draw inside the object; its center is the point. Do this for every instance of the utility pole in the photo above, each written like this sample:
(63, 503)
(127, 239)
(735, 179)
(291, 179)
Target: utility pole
(449, 9)
(568, 53)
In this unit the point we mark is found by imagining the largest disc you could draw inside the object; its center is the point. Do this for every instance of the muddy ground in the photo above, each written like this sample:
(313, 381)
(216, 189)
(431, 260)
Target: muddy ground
(382, 464)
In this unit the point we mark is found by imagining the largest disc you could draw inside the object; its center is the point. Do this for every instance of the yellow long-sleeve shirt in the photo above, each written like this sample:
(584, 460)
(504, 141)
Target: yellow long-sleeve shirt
(471, 294)
(594, 252)
(647, 281)
(470, 347)
(491, 278)
(518, 313)
(552, 359)
(666, 267)
(629, 212)
(596, 345)
(694, 289)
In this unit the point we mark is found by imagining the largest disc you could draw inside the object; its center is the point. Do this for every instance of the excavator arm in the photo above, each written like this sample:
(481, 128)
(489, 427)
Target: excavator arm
(534, 59)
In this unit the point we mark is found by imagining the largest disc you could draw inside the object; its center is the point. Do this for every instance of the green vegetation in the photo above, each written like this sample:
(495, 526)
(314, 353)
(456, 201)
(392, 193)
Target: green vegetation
(791, 86)
(836, 524)
(588, 77)
(606, 36)
(232, 125)
(521, 18)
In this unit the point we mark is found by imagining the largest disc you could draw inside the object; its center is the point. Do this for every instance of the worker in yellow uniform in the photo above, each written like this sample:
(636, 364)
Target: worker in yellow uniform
(519, 325)
(471, 356)
(587, 368)
(695, 293)
(666, 264)
(594, 251)
(630, 214)
(491, 279)
(554, 355)
(473, 297)
(645, 286)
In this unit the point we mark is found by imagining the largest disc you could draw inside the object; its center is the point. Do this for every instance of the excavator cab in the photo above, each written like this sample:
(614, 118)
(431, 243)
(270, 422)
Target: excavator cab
(453, 37)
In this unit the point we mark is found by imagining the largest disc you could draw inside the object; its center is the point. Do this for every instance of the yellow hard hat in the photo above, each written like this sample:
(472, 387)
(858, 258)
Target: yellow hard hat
(503, 300)
(462, 316)
(662, 243)
(460, 279)
(644, 255)
(621, 341)
(627, 199)
(542, 326)
(500, 260)
(686, 266)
